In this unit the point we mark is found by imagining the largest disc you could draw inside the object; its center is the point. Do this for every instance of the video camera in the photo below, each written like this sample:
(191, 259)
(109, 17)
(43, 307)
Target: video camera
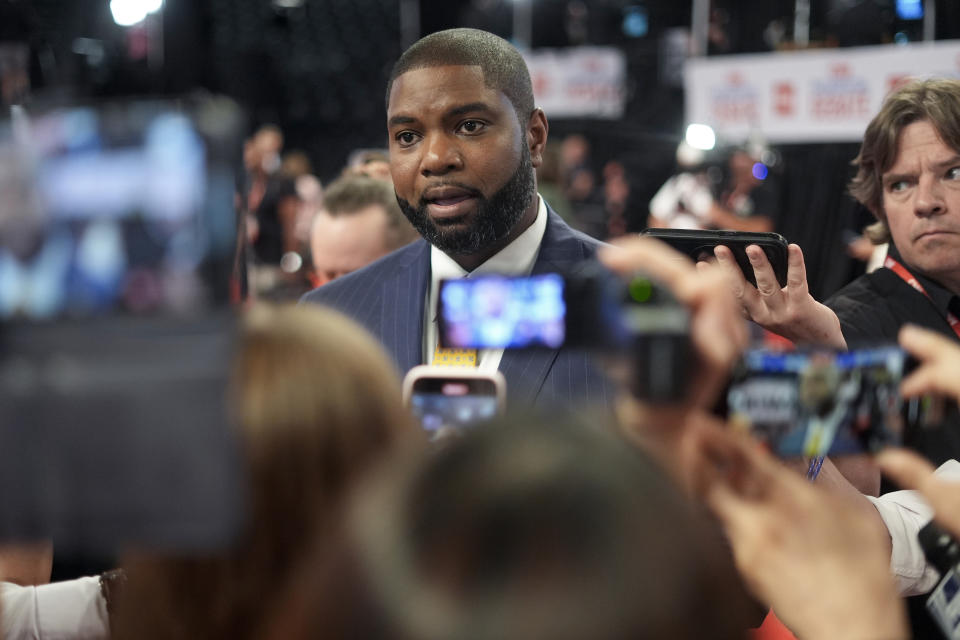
(943, 552)
(591, 308)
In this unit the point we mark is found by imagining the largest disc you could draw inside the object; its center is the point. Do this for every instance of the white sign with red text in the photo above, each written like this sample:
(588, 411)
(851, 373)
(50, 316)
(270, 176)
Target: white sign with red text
(807, 96)
(579, 82)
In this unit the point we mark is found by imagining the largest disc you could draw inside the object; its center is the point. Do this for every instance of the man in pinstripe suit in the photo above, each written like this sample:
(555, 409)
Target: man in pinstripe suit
(465, 138)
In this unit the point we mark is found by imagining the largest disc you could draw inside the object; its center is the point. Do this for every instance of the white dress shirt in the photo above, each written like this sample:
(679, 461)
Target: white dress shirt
(68, 610)
(515, 259)
(905, 513)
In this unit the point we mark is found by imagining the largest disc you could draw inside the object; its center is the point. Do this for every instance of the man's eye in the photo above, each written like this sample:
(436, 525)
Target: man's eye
(471, 126)
(899, 185)
(406, 138)
(953, 173)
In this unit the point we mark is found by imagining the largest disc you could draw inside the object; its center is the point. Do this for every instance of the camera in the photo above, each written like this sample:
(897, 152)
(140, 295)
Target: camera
(588, 308)
(943, 552)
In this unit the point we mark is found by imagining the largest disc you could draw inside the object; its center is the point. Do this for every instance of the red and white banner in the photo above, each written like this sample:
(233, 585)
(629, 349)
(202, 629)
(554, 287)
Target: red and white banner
(579, 82)
(807, 96)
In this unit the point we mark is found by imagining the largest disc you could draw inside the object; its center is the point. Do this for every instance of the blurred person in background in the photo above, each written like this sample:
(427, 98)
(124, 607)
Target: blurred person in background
(550, 181)
(317, 405)
(616, 196)
(271, 199)
(580, 186)
(360, 222)
(297, 167)
(693, 199)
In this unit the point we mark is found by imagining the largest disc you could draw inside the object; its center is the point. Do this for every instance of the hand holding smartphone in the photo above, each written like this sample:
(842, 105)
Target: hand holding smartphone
(699, 245)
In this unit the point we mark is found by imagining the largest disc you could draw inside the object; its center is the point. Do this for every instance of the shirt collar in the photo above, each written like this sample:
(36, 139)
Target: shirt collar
(943, 299)
(515, 259)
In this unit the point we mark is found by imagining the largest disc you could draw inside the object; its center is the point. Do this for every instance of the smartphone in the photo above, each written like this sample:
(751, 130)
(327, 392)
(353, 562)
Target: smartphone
(699, 245)
(445, 400)
(815, 403)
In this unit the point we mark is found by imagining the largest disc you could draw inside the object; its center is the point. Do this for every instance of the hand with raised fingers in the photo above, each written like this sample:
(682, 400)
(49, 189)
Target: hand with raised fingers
(789, 311)
(717, 331)
(820, 560)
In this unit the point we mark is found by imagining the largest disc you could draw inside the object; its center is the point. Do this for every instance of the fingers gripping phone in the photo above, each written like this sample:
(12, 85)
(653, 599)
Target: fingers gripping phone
(699, 245)
(447, 399)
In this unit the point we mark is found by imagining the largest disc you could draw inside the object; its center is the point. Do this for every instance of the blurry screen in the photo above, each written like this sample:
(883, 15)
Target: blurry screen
(119, 209)
(117, 242)
(501, 312)
(910, 9)
(442, 405)
(437, 411)
(815, 403)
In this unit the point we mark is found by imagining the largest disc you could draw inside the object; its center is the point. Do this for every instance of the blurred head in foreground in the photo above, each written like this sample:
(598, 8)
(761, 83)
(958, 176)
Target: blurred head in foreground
(548, 532)
(318, 404)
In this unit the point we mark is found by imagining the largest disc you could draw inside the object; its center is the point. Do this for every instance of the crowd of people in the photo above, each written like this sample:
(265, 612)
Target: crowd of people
(585, 512)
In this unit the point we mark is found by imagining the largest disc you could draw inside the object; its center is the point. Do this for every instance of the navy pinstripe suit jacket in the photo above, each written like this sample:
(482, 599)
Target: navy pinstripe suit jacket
(387, 297)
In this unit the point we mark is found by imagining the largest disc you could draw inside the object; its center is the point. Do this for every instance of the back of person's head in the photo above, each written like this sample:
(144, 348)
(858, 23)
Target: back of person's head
(936, 101)
(538, 531)
(318, 404)
(503, 67)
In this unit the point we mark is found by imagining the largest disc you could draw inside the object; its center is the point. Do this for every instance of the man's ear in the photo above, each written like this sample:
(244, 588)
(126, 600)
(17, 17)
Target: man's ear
(537, 129)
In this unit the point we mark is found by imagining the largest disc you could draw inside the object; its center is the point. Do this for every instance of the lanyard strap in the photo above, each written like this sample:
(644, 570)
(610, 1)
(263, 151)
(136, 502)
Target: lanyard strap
(907, 277)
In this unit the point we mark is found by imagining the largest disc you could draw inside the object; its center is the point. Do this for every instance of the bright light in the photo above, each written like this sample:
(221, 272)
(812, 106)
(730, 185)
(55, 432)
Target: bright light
(127, 13)
(700, 136)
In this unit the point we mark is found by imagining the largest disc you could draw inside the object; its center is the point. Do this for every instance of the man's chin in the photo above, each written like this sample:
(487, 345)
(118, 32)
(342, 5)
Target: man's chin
(456, 222)
(454, 241)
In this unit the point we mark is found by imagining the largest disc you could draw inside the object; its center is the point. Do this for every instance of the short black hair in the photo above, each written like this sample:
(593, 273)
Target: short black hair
(503, 67)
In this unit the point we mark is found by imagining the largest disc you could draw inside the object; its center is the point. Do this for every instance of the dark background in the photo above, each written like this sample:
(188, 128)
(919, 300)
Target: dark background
(318, 69)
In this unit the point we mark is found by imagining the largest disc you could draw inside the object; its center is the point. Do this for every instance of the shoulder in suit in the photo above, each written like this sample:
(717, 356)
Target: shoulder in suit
(387, 297)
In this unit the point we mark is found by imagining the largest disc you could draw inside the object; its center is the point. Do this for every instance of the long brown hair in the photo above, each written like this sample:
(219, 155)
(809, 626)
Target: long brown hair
(318, 403)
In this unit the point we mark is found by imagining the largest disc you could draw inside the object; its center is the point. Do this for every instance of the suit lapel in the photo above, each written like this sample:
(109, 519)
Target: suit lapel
(401, 321)
(526, 370)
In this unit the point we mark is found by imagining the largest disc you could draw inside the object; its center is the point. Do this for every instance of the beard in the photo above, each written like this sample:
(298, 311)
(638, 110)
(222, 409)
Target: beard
(494, 219)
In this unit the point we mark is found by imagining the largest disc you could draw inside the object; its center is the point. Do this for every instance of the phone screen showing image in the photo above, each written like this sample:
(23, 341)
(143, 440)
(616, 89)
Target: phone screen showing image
(499, 312)
(819, 402)
(442, 405)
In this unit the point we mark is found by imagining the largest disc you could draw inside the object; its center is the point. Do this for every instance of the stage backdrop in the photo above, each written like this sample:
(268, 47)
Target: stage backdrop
(579, 82)
(806, 96)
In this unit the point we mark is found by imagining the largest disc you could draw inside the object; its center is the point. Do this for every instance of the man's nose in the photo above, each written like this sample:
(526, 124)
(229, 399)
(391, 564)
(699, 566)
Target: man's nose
(929, 200)
(441, 156)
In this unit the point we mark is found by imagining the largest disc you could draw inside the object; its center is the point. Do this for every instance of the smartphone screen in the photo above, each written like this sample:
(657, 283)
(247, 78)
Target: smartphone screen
(500, 312)
(814, 403)
(445, 401)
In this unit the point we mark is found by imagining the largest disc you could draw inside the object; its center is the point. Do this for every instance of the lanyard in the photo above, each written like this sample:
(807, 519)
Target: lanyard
(907, 277)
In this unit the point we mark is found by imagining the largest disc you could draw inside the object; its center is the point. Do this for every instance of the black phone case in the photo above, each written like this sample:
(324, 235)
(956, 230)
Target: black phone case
(696, 243)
